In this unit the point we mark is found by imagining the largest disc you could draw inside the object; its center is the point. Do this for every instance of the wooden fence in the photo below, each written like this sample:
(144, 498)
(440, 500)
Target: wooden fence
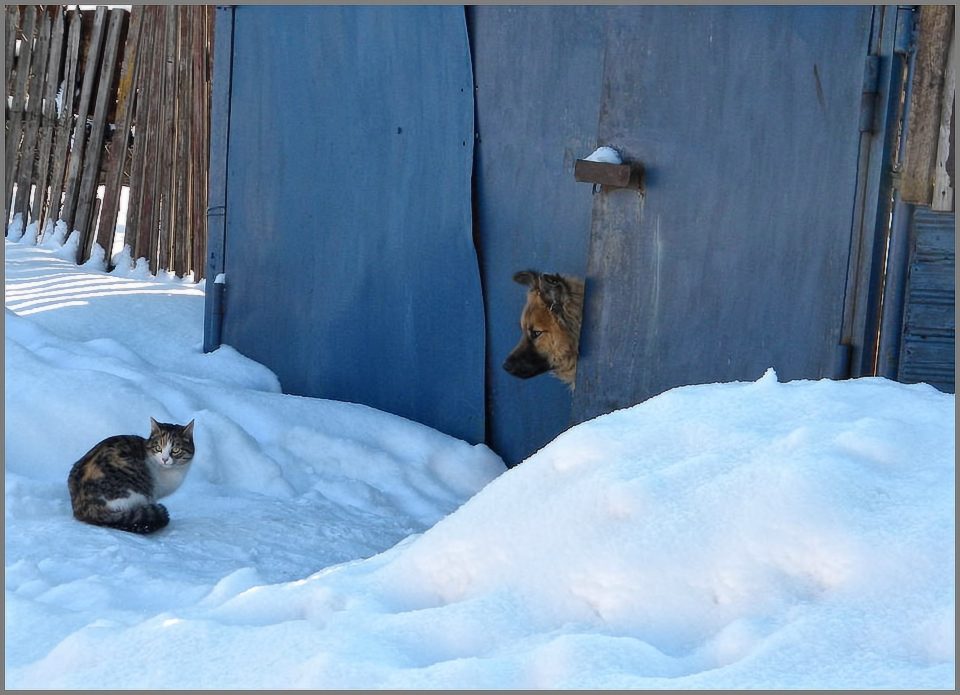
(106, 99)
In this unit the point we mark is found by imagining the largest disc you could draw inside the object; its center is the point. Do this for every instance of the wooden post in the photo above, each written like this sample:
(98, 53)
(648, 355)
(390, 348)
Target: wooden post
(926, 107)
(944, 189)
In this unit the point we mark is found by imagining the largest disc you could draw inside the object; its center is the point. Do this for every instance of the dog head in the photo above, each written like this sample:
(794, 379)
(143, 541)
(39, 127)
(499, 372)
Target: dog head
(550, 323)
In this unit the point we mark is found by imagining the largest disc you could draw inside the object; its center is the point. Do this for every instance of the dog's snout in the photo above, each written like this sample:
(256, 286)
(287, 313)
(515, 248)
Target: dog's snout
(525, 363)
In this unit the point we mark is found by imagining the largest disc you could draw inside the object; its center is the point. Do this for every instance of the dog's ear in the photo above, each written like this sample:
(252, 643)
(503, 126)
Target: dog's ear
(554, 290)
(530, 278)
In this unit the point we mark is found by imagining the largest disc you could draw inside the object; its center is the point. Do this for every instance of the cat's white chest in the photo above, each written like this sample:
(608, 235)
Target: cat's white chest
(168, 478)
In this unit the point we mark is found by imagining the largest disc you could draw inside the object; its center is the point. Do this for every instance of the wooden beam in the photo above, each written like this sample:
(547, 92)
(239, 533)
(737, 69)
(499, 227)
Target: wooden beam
(943, 184)
(926, 104)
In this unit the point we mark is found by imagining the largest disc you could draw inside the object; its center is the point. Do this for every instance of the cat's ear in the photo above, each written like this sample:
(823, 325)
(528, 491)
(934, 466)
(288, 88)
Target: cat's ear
(154, 426)
(188, 429)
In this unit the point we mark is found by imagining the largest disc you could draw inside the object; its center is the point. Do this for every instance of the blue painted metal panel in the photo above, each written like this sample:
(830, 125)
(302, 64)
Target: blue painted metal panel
(735, 256)
(217, 186)
(929, 324)
(537, 98)
(350, 267)
(350, 264)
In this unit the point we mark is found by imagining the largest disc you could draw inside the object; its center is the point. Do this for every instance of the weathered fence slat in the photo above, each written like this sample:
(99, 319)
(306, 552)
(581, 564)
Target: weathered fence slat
(179, 185)
(166, 125)
(49, 114)
(118, 150)
(31, 124)
(144, 209)
(200, 133)
(10, 18)
(64, 127)
(14, 135)
(91, 172)
(72, 195)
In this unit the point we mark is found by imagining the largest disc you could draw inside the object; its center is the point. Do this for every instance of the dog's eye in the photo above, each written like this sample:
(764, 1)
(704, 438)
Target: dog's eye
(534, 334)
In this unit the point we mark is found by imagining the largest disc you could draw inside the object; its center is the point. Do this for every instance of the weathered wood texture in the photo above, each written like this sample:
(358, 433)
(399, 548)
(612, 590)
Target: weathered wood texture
(107, 99)
(928, 164)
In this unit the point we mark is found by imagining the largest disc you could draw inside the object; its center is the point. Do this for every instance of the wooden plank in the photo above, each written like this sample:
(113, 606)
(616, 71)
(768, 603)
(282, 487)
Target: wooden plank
(167, 136)
(11, 18)
(64, 129)
(119, 146)
(14, 133)
(78, 147)
(943, 185)
(49, 120)
(32, 115)
(180, 169)
(85, 220)
(145, 81)
(925, 107)
(200, 124)
(147, 129)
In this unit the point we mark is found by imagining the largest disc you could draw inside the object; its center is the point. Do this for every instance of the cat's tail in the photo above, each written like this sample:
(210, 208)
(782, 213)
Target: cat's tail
(142, 519)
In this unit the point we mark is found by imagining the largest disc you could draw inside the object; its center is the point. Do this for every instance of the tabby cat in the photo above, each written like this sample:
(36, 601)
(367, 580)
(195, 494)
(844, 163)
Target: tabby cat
(118, 482)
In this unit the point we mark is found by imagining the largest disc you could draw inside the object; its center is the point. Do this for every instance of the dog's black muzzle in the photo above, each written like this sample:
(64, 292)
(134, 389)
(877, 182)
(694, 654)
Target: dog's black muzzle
(525, 362)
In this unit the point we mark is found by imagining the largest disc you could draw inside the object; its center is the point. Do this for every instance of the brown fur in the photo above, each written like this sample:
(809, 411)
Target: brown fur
(550, 322)
(117, 483)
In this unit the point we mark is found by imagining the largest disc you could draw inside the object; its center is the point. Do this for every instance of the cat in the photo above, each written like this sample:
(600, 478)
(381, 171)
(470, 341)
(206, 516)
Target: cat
(118, 482)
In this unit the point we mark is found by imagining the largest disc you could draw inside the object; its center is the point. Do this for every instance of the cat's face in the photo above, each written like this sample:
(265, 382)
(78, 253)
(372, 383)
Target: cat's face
(170, 445)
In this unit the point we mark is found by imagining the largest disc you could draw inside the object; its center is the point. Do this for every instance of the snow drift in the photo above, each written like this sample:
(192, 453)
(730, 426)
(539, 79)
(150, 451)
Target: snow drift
(742, 535)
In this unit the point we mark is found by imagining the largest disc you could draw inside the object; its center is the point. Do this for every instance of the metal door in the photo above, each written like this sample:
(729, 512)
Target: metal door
(537, 97)
(345, 180)
(734, 256)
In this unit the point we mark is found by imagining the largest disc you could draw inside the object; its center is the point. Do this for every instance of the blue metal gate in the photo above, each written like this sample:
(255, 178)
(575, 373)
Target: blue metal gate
(348, 248)
(382, 164)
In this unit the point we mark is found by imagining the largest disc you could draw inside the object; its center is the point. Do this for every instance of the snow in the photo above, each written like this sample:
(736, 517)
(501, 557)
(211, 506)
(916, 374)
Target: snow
(605, 154)
(739, 535)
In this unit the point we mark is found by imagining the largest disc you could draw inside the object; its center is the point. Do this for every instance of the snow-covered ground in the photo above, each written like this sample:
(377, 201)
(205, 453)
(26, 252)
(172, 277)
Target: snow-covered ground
(741, 535)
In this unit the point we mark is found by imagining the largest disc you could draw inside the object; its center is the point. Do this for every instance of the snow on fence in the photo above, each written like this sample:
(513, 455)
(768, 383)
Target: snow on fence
(99, 100)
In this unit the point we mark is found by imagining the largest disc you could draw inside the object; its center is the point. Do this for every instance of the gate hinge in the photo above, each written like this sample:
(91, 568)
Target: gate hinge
(905, 40)
(869, 95)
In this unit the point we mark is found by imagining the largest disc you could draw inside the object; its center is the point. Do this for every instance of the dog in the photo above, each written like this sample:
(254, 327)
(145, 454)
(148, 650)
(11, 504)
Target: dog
(551, 327)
